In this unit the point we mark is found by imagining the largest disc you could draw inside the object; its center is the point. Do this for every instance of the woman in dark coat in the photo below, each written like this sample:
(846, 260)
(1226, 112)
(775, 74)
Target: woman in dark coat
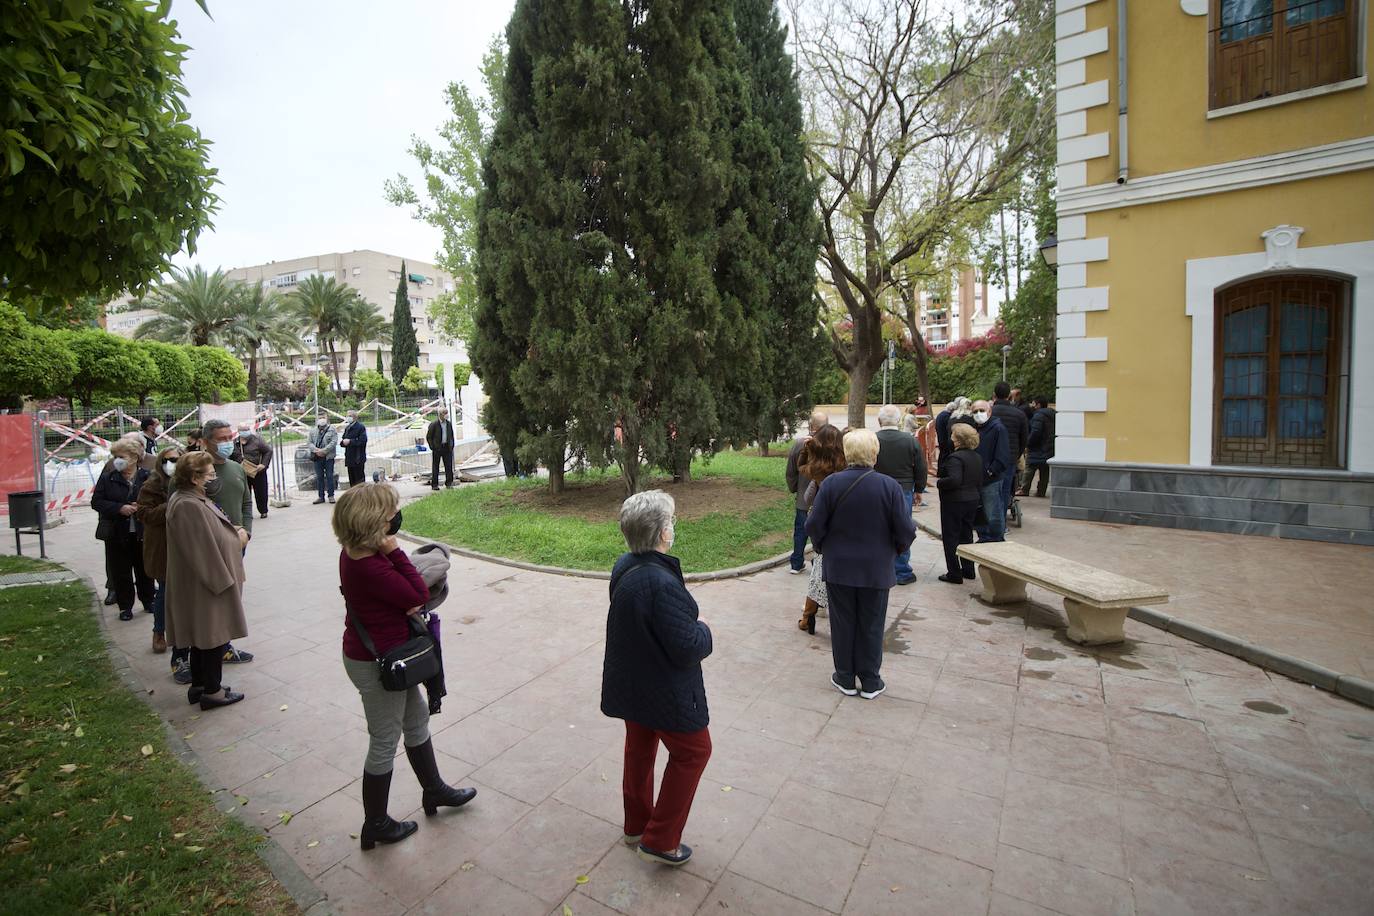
(655, 641)
(859, 523)
(115, 498)
(152, 514)
(960, 487)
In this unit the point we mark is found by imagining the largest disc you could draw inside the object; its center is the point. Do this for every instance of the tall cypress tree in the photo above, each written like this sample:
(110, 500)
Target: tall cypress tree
(769, 265)
(405, 349)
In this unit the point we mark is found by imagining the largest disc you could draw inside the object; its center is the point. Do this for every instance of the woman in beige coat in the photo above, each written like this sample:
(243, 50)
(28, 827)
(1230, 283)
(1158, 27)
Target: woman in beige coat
(204, 580)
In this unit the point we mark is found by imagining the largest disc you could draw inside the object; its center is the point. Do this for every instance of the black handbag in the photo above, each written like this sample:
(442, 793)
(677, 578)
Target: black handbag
(408, 665)
(104, 529)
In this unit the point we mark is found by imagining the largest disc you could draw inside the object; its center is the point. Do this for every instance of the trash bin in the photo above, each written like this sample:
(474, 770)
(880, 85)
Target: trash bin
(26, 509)
(305, 469)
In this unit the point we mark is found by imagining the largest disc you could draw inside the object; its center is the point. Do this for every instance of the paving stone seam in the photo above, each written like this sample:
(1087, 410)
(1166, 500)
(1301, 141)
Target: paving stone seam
(302, 889)
(748, 569)
(1352, 687)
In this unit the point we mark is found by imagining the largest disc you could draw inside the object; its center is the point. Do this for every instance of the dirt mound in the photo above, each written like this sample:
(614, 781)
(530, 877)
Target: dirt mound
(600, 502)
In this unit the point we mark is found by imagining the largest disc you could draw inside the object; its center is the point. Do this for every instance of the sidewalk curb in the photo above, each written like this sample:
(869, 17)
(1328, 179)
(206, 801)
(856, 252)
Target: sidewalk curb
(748, 569)
(1355, 689)
(297, 883)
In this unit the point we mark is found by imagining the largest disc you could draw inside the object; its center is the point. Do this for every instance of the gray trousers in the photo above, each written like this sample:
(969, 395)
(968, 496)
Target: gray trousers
(389, 714)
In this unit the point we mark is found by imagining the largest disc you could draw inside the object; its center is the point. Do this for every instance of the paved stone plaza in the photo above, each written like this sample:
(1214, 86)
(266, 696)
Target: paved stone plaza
(1004, 772)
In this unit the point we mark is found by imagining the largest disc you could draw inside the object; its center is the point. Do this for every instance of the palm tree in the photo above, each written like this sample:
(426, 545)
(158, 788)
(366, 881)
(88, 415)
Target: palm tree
(263, 321)
(320, 303)
(193, 308)
(361, 323)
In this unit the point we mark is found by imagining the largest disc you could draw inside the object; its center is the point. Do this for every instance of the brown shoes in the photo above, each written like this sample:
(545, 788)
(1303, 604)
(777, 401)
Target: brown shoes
(159, 644)
(808, 617)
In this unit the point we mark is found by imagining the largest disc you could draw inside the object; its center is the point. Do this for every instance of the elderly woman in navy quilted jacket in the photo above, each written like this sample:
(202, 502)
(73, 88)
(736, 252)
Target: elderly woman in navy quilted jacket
(655, 642)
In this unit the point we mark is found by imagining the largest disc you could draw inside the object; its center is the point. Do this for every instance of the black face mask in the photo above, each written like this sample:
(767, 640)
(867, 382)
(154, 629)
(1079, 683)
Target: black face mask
(212, 488)
(395, 525)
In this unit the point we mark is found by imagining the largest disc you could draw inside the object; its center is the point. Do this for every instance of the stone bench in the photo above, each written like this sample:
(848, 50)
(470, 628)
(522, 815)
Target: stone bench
(1096, 601)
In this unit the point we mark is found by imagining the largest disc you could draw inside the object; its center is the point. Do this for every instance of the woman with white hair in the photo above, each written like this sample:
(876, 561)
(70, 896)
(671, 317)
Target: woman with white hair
(655, 642)
(959, 410)
(115, 498)
(859, 523)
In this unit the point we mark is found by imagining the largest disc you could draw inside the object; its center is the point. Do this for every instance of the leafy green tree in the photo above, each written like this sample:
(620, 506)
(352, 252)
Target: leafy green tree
(359, 323)
(274, 384)
(102, 176)
(372, 384)
(319, 302)
(78, 312)
(264, 321)
(33, 360)
(599, 315)
(405, 349)
(770, 239)
(175, 374)
(217, 376)
(195, 308)
(416, 380)
(107, 365)
(452, 181)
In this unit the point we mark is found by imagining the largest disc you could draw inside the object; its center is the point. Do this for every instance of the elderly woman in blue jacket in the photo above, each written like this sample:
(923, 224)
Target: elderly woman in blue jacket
(859, 523)
(655, 641)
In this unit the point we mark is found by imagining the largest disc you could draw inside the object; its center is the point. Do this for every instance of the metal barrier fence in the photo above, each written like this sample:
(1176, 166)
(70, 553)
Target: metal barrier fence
(75, 442)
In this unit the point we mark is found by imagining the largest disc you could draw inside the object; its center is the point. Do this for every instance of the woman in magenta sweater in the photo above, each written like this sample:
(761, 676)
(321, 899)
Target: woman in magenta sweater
(382, 589)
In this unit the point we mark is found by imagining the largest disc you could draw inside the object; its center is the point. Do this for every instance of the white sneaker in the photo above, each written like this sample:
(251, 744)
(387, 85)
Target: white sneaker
(795, 572)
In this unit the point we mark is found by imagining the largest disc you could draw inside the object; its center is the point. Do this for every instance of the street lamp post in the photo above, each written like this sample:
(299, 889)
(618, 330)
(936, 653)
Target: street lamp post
(1006, 348)
(1049, 251)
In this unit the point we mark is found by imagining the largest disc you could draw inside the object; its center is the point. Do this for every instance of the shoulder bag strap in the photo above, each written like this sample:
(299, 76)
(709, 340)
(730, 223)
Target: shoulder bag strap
(359, 628)
(854, 483)
(625, 575)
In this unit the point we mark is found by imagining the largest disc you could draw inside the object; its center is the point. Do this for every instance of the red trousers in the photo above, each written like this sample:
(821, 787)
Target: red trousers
(661, 824)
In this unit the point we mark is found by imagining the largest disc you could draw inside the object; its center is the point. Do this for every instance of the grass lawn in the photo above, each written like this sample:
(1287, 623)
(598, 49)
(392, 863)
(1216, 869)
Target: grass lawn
(736, 510)
(96, 814)
(9, 563)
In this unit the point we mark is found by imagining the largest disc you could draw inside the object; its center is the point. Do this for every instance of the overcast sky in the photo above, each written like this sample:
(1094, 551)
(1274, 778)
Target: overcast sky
(311, 106)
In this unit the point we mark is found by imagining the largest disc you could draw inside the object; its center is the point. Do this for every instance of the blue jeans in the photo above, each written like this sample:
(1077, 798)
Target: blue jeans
(324, 476)
(798, 559)
(996, 510)
(1008, 485)
(160, 608)
(902, 565)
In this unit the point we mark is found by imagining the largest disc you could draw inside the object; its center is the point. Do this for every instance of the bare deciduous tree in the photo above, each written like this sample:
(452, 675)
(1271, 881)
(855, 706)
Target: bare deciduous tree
(919, 121)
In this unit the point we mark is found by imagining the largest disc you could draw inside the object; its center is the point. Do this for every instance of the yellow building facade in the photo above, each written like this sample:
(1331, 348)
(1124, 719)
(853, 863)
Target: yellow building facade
(1216, 265)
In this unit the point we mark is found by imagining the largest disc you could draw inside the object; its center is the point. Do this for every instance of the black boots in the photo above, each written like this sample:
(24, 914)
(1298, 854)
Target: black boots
(437, 794)
(378, 827)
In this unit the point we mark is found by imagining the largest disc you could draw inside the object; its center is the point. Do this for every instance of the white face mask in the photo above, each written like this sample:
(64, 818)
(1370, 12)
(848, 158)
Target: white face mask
(169, 468)
(980, 417)
(158, 431)
(243, 433)
(669, 535)
(321, 423)
(120, 464)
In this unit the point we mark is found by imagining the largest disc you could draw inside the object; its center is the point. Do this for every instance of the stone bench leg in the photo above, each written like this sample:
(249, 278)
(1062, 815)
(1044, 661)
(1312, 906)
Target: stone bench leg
(1000, 588)
(1095, 626)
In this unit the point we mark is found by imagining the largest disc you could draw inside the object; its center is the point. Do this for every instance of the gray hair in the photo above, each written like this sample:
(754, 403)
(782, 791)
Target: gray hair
(207, 431)
(960, 407)
(889, 415)
(819, 418)
(643, 517)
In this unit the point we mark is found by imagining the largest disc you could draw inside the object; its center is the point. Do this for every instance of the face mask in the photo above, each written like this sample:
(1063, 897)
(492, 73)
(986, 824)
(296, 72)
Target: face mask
(395, 525)
(120, 464)
(980, 418)
(157, 432)
(670, 536)
(321, 423)
(225, 449)
(243, 434)
(169, 468)
(212, 487)
(352, 419)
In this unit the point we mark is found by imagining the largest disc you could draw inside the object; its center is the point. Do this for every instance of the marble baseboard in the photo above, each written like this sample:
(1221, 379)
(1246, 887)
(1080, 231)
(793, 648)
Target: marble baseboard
(1331, 508)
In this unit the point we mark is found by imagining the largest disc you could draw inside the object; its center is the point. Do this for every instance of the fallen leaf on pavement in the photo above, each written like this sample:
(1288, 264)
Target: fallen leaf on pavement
(312, 844)
(286, 817)
(582, 879)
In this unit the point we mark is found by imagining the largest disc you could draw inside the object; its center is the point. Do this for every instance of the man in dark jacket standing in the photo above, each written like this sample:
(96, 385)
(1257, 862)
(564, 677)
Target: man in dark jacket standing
(439, 438)
(254, 449)
(1039, 447)
(995, 451)
(1014, 420)
(651, 678)
(900, 457)
(354, 441)
(797, 483)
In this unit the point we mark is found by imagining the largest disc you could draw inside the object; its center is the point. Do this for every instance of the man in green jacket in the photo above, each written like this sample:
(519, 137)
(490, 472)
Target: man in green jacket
(232, 492)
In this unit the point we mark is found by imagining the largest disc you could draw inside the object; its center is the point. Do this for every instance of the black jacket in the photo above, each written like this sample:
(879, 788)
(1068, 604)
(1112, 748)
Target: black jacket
(355, 452)
(110, 493)
(1040, 445)
(901, 457)
(1018, 427)
(654, 647)
(432, 436)
(962, 481)
(860, 534)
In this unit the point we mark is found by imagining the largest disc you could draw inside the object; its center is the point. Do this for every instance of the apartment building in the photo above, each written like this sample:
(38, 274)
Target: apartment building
(970, 310)
(374, 274)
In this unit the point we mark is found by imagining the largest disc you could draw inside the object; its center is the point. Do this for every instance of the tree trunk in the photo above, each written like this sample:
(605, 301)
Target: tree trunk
(629, 461)
(352, 363)
(253, 375)
(859, 378)
(763, 445)
(334, 364)
(922, 359)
